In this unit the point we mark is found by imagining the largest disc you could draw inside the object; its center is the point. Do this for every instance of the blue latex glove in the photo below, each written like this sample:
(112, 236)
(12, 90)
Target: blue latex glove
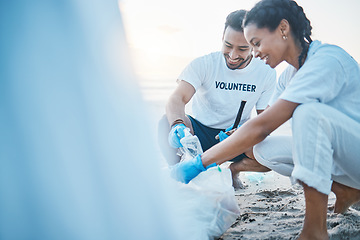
(223, 135)
(176, 133)
(185, 171)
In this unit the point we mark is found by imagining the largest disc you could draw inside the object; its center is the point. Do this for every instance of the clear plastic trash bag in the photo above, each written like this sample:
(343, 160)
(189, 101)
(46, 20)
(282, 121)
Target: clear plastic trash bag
(206, 206)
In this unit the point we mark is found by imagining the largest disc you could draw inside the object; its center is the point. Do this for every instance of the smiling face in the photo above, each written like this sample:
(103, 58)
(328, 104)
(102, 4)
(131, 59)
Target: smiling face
(236, 49)
(269, 46)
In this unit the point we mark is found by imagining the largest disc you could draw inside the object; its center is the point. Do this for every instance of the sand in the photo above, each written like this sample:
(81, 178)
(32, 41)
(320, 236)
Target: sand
(274, 208)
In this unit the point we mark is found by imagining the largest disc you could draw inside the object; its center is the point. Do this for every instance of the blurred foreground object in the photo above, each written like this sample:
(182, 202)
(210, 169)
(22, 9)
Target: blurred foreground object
(70, 165)
(208, 204)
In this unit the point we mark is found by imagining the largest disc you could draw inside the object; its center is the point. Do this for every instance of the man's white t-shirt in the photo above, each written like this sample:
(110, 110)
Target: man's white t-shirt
(329, 75)
(220, 90)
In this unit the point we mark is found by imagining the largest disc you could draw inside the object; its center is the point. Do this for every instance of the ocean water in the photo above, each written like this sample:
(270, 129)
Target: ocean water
(156, 92)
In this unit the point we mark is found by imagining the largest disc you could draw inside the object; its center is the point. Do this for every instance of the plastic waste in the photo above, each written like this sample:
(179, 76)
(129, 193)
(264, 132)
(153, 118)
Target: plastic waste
(255, 176)
(191, 146)
(207, 205)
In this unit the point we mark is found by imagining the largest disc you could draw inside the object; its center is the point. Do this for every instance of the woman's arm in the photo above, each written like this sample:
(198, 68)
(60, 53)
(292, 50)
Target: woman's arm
(252, 132)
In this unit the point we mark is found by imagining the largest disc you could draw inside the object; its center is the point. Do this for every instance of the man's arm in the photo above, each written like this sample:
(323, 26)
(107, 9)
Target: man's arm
(175, 107)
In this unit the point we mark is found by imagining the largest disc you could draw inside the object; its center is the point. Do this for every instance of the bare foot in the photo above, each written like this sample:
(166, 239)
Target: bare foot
(312, 236)
(315, 215)
(246, 164)
(237, 183)
(345, 197)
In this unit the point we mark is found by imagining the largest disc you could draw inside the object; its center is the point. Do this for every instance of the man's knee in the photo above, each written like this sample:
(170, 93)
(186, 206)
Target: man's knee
(163, 125)
(163, 131)
(167, 151)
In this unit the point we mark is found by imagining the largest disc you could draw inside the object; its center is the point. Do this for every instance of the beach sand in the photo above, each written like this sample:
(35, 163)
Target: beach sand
(274, 208)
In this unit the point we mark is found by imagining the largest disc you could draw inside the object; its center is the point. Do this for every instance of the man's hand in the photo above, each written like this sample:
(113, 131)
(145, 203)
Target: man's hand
(176, 133)
(185, 171)
(223, 135)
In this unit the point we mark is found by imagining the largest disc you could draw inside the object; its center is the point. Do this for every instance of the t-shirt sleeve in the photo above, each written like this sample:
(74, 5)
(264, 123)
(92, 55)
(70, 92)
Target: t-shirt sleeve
(282, 82)
(319, 80)
(194, 73)
(268, 90)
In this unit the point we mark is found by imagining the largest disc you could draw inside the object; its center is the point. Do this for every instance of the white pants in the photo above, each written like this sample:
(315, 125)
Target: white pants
(325, 147)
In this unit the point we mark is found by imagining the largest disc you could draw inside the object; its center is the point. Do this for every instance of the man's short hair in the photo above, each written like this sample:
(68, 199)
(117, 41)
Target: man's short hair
(235, 19)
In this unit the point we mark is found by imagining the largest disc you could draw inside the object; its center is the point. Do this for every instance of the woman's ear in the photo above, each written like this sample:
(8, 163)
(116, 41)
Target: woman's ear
(284, 28)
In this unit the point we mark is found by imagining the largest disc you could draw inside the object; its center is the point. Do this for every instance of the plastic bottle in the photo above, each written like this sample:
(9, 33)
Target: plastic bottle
(191, 145)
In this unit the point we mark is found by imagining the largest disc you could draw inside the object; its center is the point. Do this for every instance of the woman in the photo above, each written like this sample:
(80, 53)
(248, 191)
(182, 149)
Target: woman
(320, 94)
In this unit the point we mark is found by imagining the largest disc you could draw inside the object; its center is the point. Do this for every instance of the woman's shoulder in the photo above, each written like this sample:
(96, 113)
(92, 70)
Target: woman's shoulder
(331, 57)
(324, 50)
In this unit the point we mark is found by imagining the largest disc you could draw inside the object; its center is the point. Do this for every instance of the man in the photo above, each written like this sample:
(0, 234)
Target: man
(217, 83)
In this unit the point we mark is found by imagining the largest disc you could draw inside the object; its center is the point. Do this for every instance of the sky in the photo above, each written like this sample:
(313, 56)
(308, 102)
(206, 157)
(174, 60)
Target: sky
(164, 36)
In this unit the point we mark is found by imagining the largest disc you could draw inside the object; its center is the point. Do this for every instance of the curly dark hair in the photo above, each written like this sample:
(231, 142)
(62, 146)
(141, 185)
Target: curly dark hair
(269, 13)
